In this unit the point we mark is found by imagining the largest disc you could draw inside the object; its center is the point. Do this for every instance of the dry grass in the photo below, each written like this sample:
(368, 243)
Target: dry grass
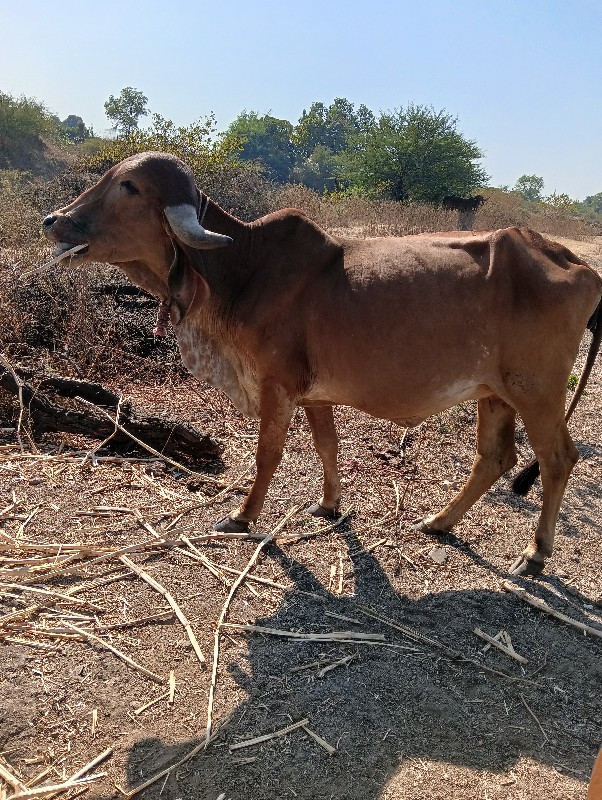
(349, 215)
(413, 716)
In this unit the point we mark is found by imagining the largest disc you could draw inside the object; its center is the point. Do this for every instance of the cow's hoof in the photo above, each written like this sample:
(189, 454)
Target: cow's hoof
(321, 511)
(526, 566)
(422, 526)
(229, 525)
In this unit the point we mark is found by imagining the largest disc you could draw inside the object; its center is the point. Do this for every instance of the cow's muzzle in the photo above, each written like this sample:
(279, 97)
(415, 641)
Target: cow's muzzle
(63, 237)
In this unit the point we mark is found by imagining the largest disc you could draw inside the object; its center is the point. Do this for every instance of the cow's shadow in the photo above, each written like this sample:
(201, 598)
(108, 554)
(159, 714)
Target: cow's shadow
(391, 704)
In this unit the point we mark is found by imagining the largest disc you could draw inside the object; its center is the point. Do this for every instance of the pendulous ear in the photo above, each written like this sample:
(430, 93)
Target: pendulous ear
(185, 284)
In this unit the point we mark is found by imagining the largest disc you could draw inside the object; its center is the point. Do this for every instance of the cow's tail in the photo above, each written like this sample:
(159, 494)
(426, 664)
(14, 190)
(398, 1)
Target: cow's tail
(527, 476)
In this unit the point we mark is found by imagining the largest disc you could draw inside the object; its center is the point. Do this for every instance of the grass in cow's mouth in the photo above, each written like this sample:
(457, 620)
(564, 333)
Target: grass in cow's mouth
(61, 255)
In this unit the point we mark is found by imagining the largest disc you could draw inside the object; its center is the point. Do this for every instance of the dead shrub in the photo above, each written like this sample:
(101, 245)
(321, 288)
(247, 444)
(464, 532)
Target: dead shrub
(353, 215)
(506, 209)
(63, 319)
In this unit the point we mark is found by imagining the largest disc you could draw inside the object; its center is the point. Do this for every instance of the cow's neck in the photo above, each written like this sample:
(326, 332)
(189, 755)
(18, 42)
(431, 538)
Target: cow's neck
(225, 269)
(208, 335)
(219, 221)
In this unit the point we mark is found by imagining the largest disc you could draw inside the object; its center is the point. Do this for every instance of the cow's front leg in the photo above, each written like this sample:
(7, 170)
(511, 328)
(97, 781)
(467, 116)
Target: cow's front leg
(321, 422)
(276, 411)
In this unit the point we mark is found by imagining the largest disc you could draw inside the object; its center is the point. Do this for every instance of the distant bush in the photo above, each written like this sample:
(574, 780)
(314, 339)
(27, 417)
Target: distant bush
(74, 129)
(195, 144)
(23, 123)
(591, 209)
(555, 216)
(91, 146)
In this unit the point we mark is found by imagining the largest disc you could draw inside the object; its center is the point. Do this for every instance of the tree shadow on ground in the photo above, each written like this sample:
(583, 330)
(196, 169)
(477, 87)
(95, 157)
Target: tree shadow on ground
(391, 703)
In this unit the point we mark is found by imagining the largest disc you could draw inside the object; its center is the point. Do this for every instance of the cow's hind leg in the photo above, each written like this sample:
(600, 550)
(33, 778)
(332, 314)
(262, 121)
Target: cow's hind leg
(495, 455)
(321, 422)
(557, 456)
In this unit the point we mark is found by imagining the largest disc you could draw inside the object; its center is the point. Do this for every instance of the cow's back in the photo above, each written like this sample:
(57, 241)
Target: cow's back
(426, 321)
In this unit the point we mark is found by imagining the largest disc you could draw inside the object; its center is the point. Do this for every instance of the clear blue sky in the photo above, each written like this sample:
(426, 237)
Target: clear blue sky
(524, 77)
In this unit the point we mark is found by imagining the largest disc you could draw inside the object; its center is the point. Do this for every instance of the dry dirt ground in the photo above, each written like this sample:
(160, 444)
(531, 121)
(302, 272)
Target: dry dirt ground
(408, 717)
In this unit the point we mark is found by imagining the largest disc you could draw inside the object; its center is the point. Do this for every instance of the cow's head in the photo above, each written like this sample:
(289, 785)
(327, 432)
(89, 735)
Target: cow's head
(135, 217)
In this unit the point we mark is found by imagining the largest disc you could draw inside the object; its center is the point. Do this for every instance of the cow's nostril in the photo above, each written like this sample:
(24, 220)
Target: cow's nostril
(49, 220)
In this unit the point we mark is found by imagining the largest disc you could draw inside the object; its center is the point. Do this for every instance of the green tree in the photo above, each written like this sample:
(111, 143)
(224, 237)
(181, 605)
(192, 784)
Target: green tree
(75, 130)
(322, 138)
(267, 140)
(415, 154)
(530, 187)
(125, 111)
(195, 144)
(561, 202)
(26, 126)
(330, 126)
(321, 171)
(592, 206)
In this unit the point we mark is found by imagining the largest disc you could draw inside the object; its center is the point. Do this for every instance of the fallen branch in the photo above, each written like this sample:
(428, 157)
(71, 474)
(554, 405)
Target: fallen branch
(164, 616)
(266, 737)
(541, 605)
(23, 613)
(322, 742)
(342, 662)
(129, 661)
(225, 607)
(150, 703)
(331, 636)
(526, 705)
(296, 537)
(174, 436)
(158, 435)
(453, 655)
(177, 610)
(57, 595)
(219, 571)
(509, 651)
(45, 791)
(7, 776)
(90, 765)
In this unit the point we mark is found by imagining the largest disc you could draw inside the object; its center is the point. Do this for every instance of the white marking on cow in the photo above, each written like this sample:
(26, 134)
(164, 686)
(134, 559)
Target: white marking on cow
(456, 392)
(220, 365)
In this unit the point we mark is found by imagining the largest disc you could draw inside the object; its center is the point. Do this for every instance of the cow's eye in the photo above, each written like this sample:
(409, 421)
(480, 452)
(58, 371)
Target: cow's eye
(129, 187)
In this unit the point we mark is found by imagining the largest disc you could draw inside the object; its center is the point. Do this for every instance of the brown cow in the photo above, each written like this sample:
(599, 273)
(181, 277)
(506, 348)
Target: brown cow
(279, 314)
(454, 203)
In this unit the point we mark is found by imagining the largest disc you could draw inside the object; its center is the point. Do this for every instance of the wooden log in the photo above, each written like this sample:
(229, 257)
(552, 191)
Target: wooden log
(41, 397)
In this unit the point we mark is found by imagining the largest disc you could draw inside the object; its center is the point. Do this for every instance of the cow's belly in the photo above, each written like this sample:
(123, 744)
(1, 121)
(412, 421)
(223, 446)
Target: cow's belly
(404, 372)
(407, 406)
(221, 367)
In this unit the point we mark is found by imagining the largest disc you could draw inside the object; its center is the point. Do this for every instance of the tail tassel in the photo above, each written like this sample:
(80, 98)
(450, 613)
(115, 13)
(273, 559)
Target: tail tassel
(526, 478)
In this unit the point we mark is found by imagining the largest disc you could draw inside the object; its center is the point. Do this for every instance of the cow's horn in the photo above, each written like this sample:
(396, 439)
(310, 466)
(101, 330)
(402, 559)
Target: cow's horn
(184, 223)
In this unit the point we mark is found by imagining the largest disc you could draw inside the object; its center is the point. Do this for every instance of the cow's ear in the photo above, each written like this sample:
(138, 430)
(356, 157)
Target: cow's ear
(185, 285)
